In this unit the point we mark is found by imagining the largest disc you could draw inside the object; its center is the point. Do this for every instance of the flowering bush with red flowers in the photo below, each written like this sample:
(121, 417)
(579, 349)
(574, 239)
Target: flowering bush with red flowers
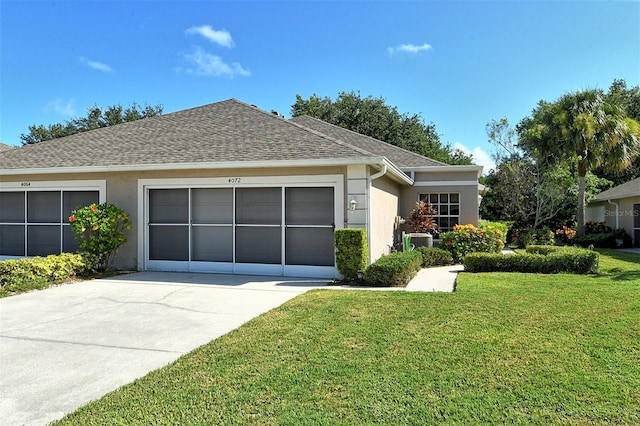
(99, 231)
(465, 239)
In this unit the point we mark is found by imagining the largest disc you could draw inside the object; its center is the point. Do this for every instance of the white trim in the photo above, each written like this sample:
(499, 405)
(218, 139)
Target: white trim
(447, 183)
(197, 166)
(336, 181)
(444, 168)
(58, 185)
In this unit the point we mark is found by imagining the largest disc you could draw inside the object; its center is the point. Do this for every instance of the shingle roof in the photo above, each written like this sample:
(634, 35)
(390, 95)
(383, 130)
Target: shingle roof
(5, 147)
(227, 131)
(399, 156)
(628, 189)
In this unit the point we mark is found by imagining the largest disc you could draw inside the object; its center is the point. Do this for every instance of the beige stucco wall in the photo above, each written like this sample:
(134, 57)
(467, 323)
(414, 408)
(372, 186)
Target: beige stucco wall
(620, 218)
(444, 182)
(122, 190)
(468, 200)
(385, 195)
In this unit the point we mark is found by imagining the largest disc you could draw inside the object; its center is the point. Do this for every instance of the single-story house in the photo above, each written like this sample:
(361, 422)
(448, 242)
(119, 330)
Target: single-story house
(226, 187)
(618, 207)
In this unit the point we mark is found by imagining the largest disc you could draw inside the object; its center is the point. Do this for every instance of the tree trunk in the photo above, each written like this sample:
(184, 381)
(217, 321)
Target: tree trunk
(582, 173)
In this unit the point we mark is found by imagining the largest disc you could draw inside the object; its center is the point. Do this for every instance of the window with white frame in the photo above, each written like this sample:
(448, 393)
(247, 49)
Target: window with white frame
(447, 206)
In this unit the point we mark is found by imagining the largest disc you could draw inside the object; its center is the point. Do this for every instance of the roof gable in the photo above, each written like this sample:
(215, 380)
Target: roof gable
(399, 156)
(222, 132)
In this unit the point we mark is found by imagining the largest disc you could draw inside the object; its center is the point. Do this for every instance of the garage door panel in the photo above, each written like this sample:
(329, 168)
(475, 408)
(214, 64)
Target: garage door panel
(212, 244)
(43, 240)
(260, 206)
(309, 246)
(12, 240)
(43, 207)
(258, 244)
(309, 206)
(212, 205)
(12, 207)
(169, 206)
(169, 243)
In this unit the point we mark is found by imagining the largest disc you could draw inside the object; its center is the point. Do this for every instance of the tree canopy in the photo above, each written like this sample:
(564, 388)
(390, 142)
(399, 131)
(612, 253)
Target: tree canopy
(373, 117)
(584, 129)
(96, 118)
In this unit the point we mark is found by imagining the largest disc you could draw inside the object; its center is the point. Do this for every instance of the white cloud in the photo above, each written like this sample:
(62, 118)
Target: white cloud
(480, 156)
(96, 65)
(207, 64)
(221, 37)
(408, 48)
(60, 106)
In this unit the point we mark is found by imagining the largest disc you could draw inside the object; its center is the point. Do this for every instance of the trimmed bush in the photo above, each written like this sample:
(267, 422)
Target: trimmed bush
(37, 272)
(432, 256)
(393, 270)
(466, 239)
(540, 260)
(605, 239)
(351, 251)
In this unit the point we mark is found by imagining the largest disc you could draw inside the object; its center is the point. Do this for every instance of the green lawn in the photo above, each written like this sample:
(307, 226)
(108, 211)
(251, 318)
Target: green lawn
(504, 348)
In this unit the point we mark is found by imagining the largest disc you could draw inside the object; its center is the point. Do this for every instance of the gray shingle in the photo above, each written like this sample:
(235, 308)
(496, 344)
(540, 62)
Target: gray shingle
(628, 189)
(227, 131)
(399, 156)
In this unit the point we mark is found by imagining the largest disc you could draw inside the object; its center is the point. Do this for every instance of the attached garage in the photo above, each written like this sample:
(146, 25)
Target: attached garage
(271, 225)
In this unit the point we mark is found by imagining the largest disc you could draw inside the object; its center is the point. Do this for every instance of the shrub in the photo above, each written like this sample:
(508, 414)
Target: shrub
(540, 259)
(99, 231)
(605, 239)
(466, 239)
(432, 256)
(566, 235)
(351, 251)
(495, 226)
(393, 270)
(36, 272)
(596, 228)
(421, 220)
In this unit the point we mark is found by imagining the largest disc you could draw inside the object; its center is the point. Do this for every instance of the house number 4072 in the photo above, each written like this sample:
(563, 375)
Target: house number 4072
(234, 180)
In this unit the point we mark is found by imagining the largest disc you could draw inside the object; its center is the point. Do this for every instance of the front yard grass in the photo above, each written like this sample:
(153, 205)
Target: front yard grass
(504, 348)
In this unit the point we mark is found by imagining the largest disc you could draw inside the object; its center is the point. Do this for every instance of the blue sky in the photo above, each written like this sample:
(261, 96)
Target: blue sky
(458, 64)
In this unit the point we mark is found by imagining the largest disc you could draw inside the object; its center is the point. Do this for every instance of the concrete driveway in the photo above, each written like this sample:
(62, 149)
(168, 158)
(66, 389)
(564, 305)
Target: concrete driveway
(65, 346)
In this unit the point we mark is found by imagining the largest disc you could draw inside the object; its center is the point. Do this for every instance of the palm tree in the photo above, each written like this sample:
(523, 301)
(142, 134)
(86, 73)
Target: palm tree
(582, 129)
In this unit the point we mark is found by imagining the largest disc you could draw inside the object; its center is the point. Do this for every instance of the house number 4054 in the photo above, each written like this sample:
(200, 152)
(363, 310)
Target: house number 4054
(234, 180)
(23, 184)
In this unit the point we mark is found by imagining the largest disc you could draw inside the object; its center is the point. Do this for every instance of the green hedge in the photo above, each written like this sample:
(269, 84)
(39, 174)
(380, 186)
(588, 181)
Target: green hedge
(432, 256)
(553, 261)
(352, 251)
(15, 274)
(393, 270)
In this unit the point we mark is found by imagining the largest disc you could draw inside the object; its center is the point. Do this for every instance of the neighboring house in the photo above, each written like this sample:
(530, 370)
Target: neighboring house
(619, 207)
(226, 187)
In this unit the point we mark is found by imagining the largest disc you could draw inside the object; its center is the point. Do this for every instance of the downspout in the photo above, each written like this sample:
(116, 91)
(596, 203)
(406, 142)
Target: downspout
(617, 216)
(373, 177)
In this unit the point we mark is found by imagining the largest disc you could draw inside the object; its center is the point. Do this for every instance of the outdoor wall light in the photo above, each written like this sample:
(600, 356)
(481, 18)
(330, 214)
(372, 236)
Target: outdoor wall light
(353, 204)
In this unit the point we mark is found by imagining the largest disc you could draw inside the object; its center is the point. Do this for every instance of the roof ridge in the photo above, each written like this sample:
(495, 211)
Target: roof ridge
(315, 132)
(375, 139)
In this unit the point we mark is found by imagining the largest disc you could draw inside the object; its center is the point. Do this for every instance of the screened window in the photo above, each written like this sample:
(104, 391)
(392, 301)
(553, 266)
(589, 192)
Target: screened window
(447, 206)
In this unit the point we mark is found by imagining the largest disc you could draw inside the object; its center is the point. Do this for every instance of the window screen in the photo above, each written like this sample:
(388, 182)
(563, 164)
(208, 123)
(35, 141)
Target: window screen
(260, 206)
(43, 207)
(12, 207)
(212, 205)
(309, 246)
(169, 206)
(309, 206)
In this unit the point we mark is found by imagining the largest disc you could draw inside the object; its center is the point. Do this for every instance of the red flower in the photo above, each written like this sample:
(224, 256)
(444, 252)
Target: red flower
(72, 218)
(93, 207)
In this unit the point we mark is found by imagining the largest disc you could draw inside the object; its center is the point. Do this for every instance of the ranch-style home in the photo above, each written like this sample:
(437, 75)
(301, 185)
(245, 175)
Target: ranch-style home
(619, 207)
(228, 188)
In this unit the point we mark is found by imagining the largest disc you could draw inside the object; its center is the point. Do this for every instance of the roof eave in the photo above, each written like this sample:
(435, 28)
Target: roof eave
(447, 169)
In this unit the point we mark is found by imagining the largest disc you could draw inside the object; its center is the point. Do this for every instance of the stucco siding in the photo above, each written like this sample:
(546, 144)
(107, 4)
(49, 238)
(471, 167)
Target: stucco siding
(122, 190)
(468, 200)
(385, 195)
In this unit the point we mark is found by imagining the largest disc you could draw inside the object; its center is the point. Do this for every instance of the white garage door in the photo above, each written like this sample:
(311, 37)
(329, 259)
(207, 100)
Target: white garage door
(274, 230)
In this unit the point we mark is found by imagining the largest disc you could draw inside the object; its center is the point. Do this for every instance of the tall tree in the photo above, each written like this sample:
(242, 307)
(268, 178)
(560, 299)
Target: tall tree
(373, 117)
(583, 129)
(95, 119)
